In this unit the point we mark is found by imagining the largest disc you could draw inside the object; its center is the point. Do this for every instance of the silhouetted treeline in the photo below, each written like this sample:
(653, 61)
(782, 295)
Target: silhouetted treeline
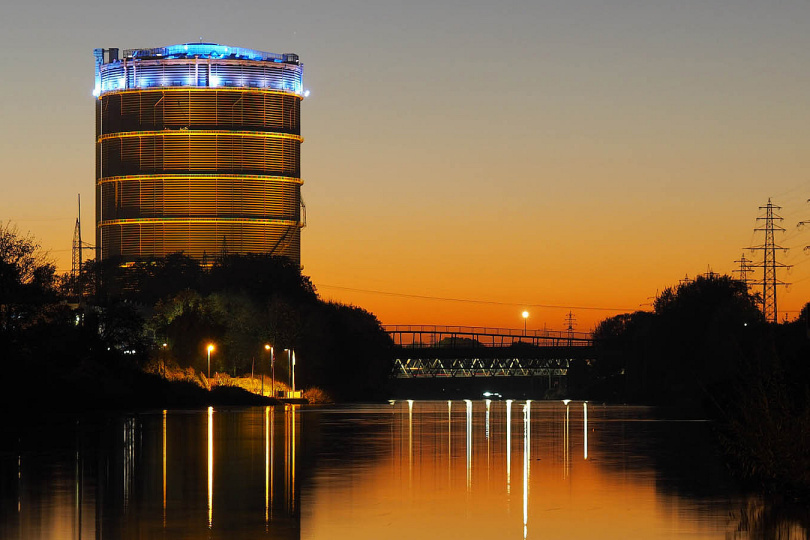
(707, 348)
(692, 341)
(127, 316)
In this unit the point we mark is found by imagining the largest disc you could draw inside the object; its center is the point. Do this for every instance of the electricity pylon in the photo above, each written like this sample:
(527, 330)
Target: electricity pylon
(769, 264)
(571, 321)
(745, 269)
(77, 258)
(802, 224)
(76, 264)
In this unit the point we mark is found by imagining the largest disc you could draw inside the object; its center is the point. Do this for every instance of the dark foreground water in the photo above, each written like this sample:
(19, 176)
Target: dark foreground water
(410, 470)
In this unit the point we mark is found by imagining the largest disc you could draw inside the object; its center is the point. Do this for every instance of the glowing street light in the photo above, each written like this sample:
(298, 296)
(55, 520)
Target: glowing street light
(525, 317)
(210, 348)
(293, 372)
(289, 366)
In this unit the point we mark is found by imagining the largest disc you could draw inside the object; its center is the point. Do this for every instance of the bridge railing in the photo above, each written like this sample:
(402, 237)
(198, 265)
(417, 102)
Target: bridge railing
(423, 336)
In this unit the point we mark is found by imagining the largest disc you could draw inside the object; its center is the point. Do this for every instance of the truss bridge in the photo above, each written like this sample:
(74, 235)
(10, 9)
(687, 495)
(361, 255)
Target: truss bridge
(462, 351)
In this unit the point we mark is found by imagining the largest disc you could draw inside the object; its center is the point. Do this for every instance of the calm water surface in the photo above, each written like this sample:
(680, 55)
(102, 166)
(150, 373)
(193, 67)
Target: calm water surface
(410, 470)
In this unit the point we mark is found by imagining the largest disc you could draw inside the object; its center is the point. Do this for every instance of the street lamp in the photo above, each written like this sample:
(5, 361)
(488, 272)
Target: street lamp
(268, 347)
(525, 316)
(289, 365)
(210, 348)
(293, 373)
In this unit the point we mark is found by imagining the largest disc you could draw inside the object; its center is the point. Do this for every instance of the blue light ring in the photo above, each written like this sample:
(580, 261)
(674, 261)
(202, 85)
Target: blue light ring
(123, 75)
(201, 89)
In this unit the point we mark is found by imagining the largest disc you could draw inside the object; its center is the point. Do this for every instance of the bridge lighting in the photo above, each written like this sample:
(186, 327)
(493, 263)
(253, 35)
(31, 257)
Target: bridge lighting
(566, 401)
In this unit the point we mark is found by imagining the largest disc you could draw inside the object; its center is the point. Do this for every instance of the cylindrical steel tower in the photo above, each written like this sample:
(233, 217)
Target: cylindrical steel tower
(197, 151)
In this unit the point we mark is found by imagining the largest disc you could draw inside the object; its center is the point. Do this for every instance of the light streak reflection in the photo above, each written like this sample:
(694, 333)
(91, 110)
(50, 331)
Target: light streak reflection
(508, 446)
(293, 451)
(469, 444)
(410, 443)
(210, 467)
(566, 444)
(449, 440)
(164, 468)
(585, 437)
(488, 403)
(526, 459)
(129, 458)
(266, 466)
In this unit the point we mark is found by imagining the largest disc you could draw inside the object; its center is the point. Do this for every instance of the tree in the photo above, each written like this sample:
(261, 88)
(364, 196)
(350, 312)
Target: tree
(688, 349)
(27, 278)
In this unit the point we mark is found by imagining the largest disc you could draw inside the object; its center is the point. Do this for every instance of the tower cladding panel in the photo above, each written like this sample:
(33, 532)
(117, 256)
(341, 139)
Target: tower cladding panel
(197, 151)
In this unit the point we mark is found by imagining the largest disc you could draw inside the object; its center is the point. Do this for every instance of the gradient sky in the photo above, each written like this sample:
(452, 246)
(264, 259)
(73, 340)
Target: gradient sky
(570, 153)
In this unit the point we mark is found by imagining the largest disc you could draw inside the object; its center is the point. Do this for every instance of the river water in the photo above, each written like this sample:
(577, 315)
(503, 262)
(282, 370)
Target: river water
(406, 470)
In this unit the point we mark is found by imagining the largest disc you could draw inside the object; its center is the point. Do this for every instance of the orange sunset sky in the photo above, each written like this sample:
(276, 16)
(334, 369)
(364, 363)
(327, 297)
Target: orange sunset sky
(515, 155)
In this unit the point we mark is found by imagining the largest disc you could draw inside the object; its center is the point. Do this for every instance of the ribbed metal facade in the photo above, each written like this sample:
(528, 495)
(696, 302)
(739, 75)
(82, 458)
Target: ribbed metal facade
(197, 150)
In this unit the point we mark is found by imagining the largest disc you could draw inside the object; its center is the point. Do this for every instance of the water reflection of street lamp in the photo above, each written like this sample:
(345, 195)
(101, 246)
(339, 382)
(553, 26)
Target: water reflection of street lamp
(525, 317)
(210, 348)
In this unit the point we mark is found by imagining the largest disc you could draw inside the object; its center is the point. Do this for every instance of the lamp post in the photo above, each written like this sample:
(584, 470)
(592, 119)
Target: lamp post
(210, 348)
(293, 372)
(268, 347)
(525, 317)
(289, 365)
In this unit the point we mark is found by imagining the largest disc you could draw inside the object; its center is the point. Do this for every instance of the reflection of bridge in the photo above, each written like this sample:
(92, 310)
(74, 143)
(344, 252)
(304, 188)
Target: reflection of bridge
(462, 351)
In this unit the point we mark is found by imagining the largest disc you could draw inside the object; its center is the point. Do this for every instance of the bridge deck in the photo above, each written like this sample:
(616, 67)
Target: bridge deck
(464, 336)
(457, 351)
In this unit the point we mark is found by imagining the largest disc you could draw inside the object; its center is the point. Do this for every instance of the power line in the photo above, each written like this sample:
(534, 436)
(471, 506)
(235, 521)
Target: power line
(470, 300)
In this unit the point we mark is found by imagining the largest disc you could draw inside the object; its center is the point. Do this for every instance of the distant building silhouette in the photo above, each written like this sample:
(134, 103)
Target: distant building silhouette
(198, 150)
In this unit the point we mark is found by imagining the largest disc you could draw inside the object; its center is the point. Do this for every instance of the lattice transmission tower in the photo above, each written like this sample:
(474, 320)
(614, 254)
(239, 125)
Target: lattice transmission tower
(802, 224)
(76, 264)
(571, 322)
(77, 259)
(769, 264)
(745, 269)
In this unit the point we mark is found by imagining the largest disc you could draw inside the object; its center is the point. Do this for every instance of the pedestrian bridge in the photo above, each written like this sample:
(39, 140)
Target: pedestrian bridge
(466, 351)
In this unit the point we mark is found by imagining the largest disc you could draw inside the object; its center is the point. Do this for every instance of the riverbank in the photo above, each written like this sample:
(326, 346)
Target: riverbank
(104, 390)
